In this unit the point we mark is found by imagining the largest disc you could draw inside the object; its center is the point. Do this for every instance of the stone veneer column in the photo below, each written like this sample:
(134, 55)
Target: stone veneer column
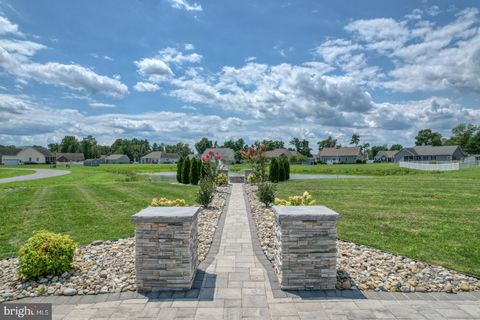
(166, 248)
(306, 245)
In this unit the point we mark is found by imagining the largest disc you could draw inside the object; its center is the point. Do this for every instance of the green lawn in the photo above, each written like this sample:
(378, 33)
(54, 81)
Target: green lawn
(90, 203)
(433, 217)
(8, 173)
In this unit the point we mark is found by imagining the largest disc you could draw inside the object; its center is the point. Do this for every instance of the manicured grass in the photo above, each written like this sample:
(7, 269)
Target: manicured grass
(8, 173)
(373, 169)
(432, 217)
(90, 203)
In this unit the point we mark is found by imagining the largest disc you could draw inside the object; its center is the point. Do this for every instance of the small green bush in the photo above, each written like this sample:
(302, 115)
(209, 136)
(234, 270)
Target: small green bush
(282, 174)
(205, 193)
(186, 171)
(46, 253)
(266, 193)
(194, 172)
(273, 174)
(179, 169)
(287, 169)
(221, 179)
(253, 178)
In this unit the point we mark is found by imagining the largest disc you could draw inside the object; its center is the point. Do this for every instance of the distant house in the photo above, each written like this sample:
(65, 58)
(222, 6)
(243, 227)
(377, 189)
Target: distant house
(228, 155)
(28, 155)
(91, 162)
(160, 157)
(276, 153)
(115, 159)
(70, 157)
(431, 153)
(385, 156)
(341, 155)
(8, 156)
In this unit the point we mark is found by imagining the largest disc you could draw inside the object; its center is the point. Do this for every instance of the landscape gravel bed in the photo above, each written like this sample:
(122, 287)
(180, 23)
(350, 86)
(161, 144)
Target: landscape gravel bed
(366, 268)
(102, 266)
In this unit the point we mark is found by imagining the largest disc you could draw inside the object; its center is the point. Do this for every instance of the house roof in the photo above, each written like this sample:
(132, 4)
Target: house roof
(433, 150)
(71, 156)
(227, 153)
(279, 152)
(43, 151)
(115, 156)
(9, 151)
(387, 153)
(160, 155)
(341, 152)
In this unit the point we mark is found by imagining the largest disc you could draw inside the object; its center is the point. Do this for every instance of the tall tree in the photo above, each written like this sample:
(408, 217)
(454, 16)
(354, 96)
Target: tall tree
(88, 147)
(355, 139)
(69, 144)
(473, 145)
(53, 147)
(270, 144)
(301, 146)
(327, 143)
(462, 135)
(203, 145)
(396, 147)
(376, 149)
(428, 137)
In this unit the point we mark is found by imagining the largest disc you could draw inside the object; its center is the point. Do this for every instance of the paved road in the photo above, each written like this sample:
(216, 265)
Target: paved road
(39, 174)
(236, 286)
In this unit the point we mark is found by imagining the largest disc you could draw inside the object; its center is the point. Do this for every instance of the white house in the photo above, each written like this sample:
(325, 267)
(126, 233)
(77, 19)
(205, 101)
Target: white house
(160, 157)
(341, 155)
(27, 155)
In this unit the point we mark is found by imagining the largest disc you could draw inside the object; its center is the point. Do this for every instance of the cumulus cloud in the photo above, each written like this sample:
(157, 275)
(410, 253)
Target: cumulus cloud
(146, 87)
(101, 105)
(154, 69)
(172, 55)
(185, 5)
(7, 27)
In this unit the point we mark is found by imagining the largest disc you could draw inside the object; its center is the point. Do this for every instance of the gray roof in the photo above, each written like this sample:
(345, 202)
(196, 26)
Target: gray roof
(43, 151)
(9, 151)
(71, 156)
(341, 152)
(115, 156)
(160, 155)
(433, 151)
(227, 153)
(387, 153)
(279, 152)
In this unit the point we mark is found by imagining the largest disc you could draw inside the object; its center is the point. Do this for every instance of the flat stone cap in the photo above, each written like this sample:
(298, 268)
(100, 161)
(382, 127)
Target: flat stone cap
(166, 214)
(317, 213)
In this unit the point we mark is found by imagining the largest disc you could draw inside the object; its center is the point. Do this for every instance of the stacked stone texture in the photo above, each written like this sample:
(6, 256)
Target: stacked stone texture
(166, 248)
(306, 248)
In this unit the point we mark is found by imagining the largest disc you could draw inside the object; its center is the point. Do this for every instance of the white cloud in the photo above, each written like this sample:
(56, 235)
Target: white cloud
(146, 87)
(188, 46)
(185, 5)
(172, 55)
(21, 47)
(153, 69)
(7, 27)
(101, 105)
(250, 59)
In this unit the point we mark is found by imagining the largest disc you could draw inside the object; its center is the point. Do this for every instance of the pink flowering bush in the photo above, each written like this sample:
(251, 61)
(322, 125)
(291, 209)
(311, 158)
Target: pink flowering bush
(257, 160)
(211, 165)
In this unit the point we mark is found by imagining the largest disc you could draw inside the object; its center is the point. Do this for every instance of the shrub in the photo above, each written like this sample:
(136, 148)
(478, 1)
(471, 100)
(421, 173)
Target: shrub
(221, 179)
(205, 193)
(303, 200)
(194, 172)
(186, 171)
(179, 169)
(282, 174)
(273, 176)
(46, 253)
(164, 202)
(266, 193)
(287, 169)
(253, 178)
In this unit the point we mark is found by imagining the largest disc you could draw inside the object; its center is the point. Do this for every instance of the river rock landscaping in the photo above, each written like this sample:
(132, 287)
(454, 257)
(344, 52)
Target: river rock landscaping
(366, 268)
(102, 266)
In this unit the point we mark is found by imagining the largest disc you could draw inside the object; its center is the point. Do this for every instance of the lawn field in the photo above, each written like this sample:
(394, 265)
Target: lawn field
(432, 217)
(90, 203)
(8, 173)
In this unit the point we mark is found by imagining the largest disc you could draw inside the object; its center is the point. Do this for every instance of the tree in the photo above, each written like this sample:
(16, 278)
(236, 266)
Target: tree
(155, 147)
(53, 147)
(327, 143)
(301, 146)
(203, 145)
(428, 137)
(282, 174)
(179, 169)
(365, 148)
(273, 174)
(270, 144)
(462, 134)
(376, 149)
(237, 146)
(473, 145)
(287, 169)
(69, 144)
(182, 149)
(194, 172)
(186, 171)
(355, 139)
(88, 146)
(396, 147)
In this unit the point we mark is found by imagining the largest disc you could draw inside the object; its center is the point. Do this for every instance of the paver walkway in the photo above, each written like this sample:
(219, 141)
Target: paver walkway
(236, 287)
(39, 174)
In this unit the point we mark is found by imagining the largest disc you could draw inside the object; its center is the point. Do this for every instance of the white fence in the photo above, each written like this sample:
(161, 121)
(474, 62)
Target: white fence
(430, 166)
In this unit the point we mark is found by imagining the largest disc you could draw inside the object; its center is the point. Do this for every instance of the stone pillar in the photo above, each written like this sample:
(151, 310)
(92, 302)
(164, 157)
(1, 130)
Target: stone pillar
(166, 248)
(306, 247)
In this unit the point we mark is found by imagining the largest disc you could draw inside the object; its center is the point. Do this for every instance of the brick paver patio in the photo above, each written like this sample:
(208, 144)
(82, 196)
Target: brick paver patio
(236, 286)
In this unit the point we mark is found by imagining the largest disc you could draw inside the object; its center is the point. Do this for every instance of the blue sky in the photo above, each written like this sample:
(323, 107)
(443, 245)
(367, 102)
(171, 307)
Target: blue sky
(178, 70)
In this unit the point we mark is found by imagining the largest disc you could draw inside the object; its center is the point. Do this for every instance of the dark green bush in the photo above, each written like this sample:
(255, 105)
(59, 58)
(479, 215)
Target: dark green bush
(287, 169)
(46, 253)
(273, 174)
(194, 172)
(266, 193)
(186, 171)
(282, 174)
(205, 193)
(179, 169)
